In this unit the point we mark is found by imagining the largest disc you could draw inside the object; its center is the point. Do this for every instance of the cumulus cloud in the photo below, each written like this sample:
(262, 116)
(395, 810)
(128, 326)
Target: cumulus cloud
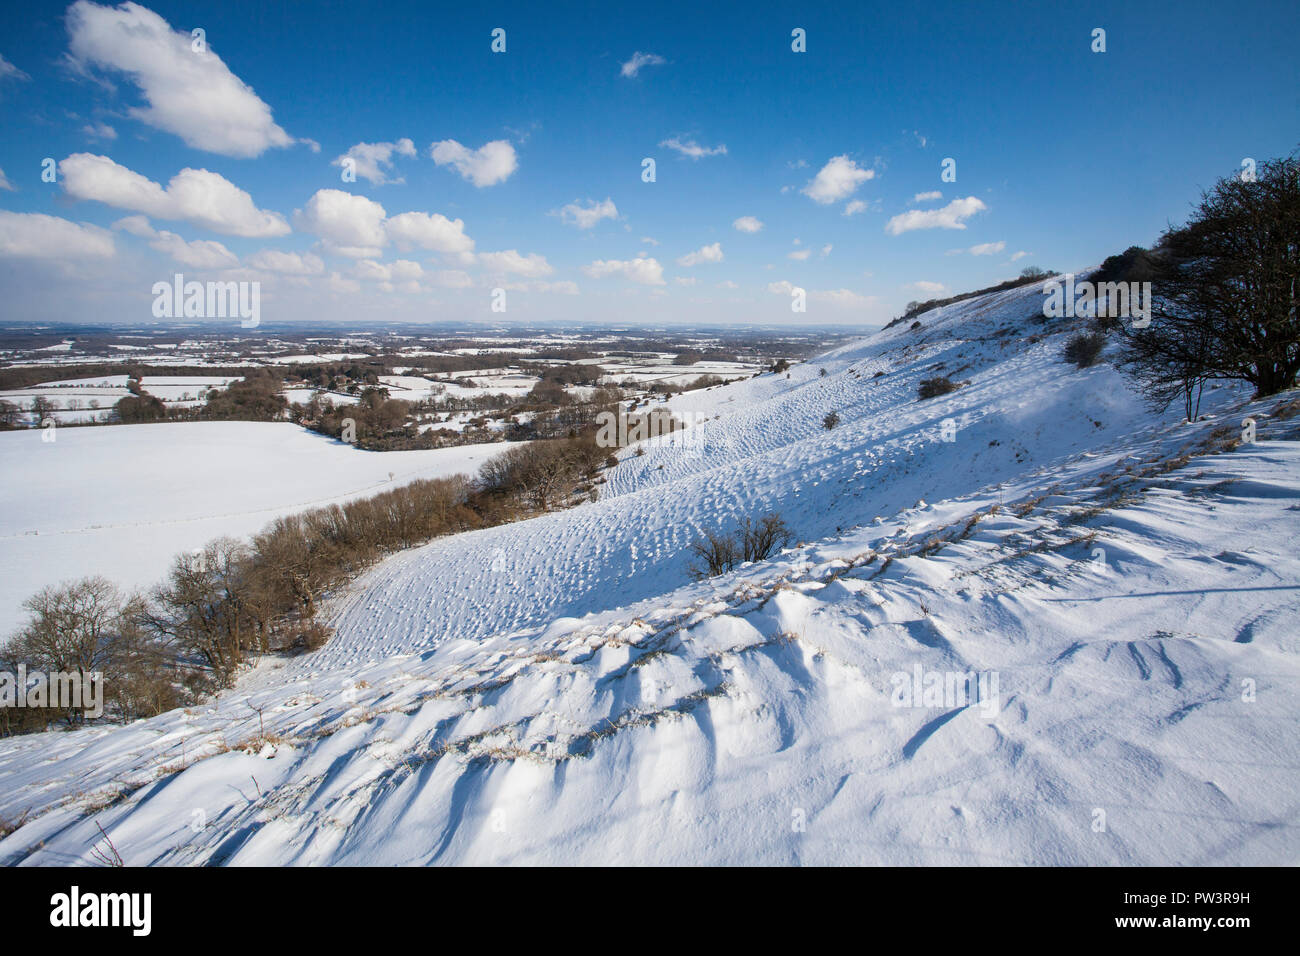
(359, 228)
(1015, 256)
(196, 196)
(347, 224)
(646, 271)
(855, 207)
(711, 253)
(200, 253)
(373, 160)
(341, 283)
(951, 216)
(5, 184)
(532, 266)
(488, 165)
(99, 131)
(799, 255)
(692, 149)
(925, 286)
(286, 263)
(727, 284)
(837, 180)
(927, 197)
(432, 231)
(748, 224)
(399, 270)
(34, 235)
(633, 66)
(191, 95)
(584, 217)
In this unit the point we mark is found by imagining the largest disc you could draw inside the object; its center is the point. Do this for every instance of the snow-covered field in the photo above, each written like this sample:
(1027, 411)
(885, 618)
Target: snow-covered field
(92, 399)
(1122, 587)
(124, 500)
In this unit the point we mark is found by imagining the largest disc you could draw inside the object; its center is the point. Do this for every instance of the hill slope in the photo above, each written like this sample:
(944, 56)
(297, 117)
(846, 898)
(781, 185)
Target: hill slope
(1119, 585)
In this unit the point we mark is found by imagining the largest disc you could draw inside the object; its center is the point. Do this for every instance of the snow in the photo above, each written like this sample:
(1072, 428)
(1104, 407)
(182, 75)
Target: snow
(124, 500)
(561, 691)
(107, 390)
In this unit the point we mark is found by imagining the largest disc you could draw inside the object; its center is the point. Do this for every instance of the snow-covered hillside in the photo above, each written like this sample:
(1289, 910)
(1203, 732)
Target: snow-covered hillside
(124, 500)
(1122, 586)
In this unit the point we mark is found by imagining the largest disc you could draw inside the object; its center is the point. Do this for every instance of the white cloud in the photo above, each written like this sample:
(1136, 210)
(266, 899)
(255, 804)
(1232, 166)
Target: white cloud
(34, 235)
(5, 184)
(837, 180)
(372, 160)
(136, 226)
(982, 249)
(432, 231)
(800, 254)
(339, 283)
(1019, 255)
(633, 66)
(645, 270)
(692, 149)
(196, 196)
(488, 165)
(855, 207)
(201, 253)
(783, 287)
(727, 284)
(99, 131)
(924, 286)
(649, 242)
(748, 224)
(192, 95)
(711, 253)
(951, 216)
(347, 224)
(927, 197)
(287, 263)
(584, 217)
(532, 266)
(10, 72)
(370, 269)
(686, 280)
(826, 250)
(399, 270)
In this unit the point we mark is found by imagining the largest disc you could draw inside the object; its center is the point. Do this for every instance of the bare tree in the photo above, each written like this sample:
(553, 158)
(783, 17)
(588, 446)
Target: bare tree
(1225, 292)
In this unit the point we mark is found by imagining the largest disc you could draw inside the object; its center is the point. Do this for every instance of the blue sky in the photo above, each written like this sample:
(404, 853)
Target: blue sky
(1062, 155)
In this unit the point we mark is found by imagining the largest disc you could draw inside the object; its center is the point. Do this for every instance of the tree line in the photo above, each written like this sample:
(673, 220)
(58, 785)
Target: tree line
(1225, 288)
(224, 604)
